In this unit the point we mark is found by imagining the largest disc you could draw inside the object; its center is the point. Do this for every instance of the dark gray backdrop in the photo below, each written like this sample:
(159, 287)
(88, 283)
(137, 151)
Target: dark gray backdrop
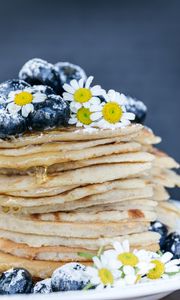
(132, 46)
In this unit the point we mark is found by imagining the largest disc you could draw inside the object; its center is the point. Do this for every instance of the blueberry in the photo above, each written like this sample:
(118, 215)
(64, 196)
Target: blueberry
(138, 108)
(161, 229)
(70, 277)
(42, 89)
(53, 112)
(11, 85)
(38, 71)
(42, 287)
(172, 244)
(15, 281)
(11, 124)
(68, 72)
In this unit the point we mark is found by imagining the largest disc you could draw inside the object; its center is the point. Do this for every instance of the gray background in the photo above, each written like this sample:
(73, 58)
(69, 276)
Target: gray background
(132, 46)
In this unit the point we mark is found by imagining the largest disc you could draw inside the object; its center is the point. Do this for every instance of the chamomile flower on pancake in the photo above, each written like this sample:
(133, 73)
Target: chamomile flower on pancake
(81, 96)
(163, 266)
(23, 100)
(102, 274)
(111, 113)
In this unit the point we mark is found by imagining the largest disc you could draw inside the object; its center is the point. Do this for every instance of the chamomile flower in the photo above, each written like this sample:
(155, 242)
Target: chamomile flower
(163, 266)
(112, 112)
(81, 96)
(102, 274)
(123, 255)
(23, 100)
(81, 92)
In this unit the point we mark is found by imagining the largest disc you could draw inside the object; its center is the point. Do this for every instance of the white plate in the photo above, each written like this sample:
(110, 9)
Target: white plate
(153, 290)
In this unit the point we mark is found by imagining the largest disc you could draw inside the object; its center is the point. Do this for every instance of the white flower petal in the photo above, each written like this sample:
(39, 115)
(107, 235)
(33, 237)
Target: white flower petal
(72, 121)
(97, 262)
(68, 88)
(128, 270)
(129, 116)
(88, 82)
(125, 245)
(13, 108)
(166, 257)
(26, 109)
(171, 269)
(39, 97)
(68, 97)
(96, 116)
(81, 83)
(74, 84)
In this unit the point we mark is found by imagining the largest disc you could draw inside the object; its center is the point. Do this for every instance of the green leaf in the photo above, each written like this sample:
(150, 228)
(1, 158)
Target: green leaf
(86, 255)
(100, 251)
(87, 287)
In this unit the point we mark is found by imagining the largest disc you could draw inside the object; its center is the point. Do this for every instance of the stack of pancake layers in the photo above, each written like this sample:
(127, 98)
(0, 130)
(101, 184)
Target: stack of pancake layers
(70, 191)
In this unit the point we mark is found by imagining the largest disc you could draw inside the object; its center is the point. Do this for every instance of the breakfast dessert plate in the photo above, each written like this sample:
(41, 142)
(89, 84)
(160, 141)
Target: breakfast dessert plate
(144, 291)
(84, 207)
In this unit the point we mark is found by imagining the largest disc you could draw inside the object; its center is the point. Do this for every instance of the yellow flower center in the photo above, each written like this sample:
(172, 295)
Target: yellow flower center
(23, 98)
(128, 259)
(83, 115)
(157, 271)
(106, 276)
(112, 112)
(82, 95)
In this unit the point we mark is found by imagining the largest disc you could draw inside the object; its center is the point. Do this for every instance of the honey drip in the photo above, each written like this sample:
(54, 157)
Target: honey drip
(41, 174)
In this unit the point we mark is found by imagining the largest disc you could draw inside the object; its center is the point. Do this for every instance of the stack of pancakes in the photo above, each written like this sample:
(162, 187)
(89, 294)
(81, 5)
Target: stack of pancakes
(75, 190)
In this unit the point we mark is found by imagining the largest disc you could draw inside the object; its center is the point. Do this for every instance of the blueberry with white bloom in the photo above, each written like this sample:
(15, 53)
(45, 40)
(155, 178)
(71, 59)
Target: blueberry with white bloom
(42, 287)
(11, 86)
(68, 72)
(39, 72)
(52, 113)
(70, 277)
(15, 281)
(23, 101)
(138, 108)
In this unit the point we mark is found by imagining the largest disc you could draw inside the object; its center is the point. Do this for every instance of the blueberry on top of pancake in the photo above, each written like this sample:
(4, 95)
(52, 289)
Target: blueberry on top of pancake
(68, 72)
(40, 72)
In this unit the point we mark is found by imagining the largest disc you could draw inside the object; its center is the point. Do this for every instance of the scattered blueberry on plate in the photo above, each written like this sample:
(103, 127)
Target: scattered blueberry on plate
(15, 281)
(172, 244)
(68, 72)
(138, 108)
(39, 72)
(42, 287)
(70, 277)
(161, 229)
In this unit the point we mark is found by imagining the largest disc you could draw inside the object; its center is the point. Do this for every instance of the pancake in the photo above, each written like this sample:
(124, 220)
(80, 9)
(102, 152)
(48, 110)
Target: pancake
(169, 214)
(101, 190)
(142, 238)
(41, 268)
(87, 175)
(43, 192)
(116, 158)
(71, 229)
(47, 159)
(65, 146)
(109, 197)
(162, 160)
(100, 215)
(38, 269)
(70, 134)
(53, 253)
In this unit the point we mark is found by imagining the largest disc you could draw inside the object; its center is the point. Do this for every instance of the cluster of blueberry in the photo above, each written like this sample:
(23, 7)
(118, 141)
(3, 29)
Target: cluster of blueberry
(168, 242)
(69, 277)
(46, 78)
